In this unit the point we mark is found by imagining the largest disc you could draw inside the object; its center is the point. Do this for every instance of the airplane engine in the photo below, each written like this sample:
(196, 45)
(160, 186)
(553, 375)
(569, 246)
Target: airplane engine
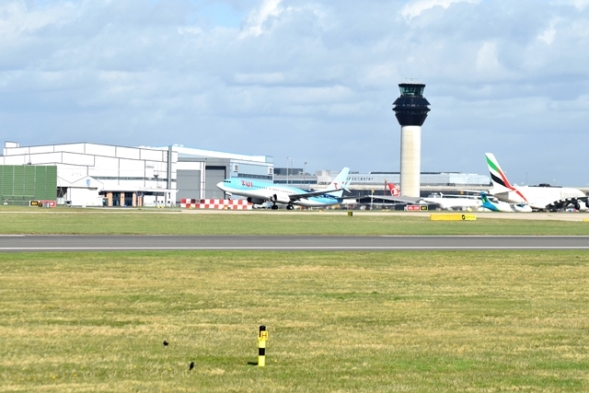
(280, 198)
(255, 201)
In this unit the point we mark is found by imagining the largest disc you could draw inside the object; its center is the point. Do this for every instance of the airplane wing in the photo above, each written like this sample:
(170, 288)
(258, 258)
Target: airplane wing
(473, 193)
(296, 197)
(400, 199)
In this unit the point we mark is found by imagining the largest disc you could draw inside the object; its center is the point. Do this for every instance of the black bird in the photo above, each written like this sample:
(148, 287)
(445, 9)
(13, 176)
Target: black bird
(165, 343)
(191, 366)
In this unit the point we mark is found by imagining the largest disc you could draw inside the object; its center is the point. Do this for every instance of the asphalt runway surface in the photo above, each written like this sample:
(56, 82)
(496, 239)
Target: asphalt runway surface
(38, 243)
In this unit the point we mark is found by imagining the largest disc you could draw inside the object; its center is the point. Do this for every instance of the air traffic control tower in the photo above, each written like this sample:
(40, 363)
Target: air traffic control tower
(411, 109)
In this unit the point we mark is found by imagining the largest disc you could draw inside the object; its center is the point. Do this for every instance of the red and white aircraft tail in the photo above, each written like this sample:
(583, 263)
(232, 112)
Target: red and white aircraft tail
(395, 191)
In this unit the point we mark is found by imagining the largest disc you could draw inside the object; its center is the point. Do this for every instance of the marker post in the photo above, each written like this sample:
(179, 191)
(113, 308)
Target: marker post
(262, 337)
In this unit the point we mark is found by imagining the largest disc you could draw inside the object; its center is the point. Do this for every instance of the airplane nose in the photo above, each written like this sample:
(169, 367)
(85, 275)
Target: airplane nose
(220, 185)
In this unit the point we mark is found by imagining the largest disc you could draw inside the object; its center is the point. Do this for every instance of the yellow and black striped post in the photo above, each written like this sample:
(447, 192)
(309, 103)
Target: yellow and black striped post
(262, 337)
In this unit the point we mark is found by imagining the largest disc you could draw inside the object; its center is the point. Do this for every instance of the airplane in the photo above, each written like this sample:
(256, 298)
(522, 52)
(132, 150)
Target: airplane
(501, 206)
(454, 202)
(260, 192)
(542, 197)
(446, 202)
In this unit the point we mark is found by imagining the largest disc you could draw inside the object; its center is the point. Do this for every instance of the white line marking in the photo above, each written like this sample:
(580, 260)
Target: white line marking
(296, 247)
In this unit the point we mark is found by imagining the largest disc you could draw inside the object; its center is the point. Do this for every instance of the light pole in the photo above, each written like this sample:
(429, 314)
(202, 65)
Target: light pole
(156, 187)
(287, 168)
(304, 174)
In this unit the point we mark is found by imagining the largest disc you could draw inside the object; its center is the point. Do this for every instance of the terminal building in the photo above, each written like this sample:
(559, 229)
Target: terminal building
(375, 183)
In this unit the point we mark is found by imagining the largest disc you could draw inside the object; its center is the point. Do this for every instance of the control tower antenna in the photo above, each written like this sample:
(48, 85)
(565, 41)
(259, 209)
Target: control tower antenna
(411, 109)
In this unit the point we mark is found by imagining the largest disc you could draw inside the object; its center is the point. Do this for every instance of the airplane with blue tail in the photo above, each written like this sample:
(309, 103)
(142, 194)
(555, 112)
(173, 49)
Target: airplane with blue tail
(259, 192)
(501, 206)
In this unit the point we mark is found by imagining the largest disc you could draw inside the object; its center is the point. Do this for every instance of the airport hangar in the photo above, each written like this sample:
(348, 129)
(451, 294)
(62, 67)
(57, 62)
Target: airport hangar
(90, 174)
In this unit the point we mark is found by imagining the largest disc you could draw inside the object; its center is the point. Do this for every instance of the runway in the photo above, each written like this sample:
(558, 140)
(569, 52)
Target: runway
(39, 243)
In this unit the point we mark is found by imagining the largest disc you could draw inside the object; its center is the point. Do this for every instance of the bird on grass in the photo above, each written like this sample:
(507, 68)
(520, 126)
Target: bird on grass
(191, 366)
(165, 343)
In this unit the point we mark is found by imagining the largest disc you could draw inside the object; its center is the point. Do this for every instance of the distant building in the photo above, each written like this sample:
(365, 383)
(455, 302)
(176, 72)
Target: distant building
(89, 174)
(375, 182)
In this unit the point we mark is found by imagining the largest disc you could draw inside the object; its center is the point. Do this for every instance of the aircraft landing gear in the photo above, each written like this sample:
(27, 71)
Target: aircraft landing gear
(274, 207)
(289, 207)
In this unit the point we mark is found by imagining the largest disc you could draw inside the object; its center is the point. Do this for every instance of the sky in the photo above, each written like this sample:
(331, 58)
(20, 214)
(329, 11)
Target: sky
(313, 80)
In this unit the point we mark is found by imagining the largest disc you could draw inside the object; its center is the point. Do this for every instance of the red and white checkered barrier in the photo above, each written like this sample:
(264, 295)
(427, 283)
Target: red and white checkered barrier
(221, 204)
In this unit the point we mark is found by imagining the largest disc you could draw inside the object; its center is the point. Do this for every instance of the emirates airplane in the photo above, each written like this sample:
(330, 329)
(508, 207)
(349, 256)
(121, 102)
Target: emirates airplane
(541, 197)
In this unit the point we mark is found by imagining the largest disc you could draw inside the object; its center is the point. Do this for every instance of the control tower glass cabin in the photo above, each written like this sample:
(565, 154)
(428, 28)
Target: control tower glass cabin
(411, 107)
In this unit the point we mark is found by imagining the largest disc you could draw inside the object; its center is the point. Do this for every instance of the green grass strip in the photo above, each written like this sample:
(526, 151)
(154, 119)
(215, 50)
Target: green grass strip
(87, 221)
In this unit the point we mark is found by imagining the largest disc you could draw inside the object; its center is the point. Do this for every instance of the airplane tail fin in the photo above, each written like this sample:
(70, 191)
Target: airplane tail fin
(339, 184)
(486, 202)
(497, 175)
(484, 197)
(394, 189)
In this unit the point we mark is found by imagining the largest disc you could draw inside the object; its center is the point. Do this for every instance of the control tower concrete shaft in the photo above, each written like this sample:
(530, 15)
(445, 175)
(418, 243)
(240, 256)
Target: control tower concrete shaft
(411, 109)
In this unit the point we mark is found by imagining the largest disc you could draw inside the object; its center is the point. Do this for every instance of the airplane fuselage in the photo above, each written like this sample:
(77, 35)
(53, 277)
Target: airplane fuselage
(540, 198)
(259, 192)
(452, 202)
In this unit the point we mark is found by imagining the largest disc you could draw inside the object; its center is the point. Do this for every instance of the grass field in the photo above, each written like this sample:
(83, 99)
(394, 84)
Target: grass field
(338, 322)
(96, 221)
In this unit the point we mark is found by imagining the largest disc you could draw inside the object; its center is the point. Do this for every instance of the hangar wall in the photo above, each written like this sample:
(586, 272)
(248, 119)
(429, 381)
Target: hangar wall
(190, 184)
(215, 174)
(20, 184)
(89, 174)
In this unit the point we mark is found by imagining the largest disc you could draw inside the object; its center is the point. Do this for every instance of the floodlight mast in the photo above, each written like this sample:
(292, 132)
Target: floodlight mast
(411, 110)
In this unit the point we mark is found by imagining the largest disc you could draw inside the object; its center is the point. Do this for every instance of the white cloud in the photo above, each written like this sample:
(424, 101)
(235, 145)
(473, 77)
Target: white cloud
(414, 8)
(580, 4)
(188, 30)
(487, 58)
(379, 75)
(18, 20)
(547, 36)
(259, 78)
(254, 25)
